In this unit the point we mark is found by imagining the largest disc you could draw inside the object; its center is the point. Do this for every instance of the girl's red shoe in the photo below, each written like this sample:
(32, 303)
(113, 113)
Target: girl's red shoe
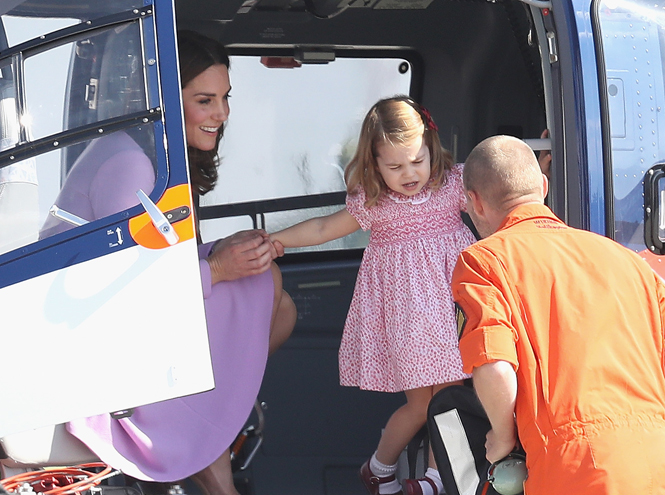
(372, 482)
(412, 487)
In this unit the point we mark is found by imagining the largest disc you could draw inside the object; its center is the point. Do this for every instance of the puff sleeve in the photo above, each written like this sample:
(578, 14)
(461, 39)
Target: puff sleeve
(355, 205)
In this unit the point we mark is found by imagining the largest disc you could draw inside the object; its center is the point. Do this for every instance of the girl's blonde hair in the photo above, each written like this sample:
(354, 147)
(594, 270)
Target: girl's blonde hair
(399, 121)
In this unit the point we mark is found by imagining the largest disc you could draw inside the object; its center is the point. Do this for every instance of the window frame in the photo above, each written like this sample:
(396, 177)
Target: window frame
(257, 209)
(152, 116)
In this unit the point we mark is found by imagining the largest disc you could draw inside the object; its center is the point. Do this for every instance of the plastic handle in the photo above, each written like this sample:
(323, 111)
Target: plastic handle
(65, 216)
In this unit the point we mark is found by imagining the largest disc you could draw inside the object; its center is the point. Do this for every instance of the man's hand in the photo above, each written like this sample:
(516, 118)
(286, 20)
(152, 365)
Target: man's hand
(498, 448)
(245, 253)
(545, 157)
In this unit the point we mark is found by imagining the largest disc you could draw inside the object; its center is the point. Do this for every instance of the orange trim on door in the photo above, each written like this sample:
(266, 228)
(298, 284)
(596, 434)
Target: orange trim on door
(144, 232)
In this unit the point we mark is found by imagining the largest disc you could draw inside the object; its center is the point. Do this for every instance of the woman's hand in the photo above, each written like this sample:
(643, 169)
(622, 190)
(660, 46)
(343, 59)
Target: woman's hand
(245, 253)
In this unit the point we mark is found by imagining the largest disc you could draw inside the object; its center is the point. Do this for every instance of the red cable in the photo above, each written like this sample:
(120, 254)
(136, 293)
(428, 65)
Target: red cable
(50, 478)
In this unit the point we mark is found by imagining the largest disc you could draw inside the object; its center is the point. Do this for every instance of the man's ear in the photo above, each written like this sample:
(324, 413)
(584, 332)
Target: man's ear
(476, 202)
(546, 185)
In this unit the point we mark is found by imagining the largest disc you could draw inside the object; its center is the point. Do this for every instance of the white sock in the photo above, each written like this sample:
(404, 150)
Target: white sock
(432, 474)
(382, 471)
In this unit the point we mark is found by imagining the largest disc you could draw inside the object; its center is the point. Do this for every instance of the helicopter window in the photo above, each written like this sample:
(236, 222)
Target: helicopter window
(290, 134)
(27, 20)
(69, 93)
(20, 29)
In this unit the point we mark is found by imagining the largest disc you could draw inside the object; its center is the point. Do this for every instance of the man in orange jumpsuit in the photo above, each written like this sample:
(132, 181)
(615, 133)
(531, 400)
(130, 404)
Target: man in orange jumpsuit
(563, 332)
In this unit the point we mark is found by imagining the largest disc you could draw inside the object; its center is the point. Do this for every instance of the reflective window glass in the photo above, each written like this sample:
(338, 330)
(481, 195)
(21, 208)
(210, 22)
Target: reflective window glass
(281, 220)
(291, 132)
(9, 124)
(661, 210)
(104, 79)
(102, 181)
(19, 29)
(93, 77)
(45, 96)
(27, 20)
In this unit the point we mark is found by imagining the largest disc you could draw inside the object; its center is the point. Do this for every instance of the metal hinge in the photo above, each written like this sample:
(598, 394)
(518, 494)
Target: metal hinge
(552, 48)
(541, 4)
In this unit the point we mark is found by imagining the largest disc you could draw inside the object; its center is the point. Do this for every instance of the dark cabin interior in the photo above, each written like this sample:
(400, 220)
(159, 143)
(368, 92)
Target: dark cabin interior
(476, 67)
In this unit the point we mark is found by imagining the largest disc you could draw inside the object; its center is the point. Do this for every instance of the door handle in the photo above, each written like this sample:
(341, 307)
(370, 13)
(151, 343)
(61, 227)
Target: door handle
(65, 216)
(158, 218)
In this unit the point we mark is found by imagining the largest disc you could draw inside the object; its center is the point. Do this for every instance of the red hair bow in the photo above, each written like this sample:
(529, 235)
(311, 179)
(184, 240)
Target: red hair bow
(427, 117)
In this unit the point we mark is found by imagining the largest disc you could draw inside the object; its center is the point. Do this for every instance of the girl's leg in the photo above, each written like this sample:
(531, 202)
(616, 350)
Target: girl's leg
(283, 313)
(378, 474)
(403, 425)
(431, 484)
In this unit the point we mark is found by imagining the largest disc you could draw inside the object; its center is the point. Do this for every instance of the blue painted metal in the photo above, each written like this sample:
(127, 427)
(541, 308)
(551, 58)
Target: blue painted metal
(54, 254)
(150, 53)
(171, 100)
(588, 113)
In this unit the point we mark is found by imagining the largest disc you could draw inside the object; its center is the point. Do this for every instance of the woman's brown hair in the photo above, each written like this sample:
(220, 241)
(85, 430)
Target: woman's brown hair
(197, 53)
(397, 120)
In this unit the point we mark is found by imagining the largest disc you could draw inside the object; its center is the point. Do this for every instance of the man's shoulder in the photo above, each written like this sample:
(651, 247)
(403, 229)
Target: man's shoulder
(524, 238)
(493, 243)
(481, 256)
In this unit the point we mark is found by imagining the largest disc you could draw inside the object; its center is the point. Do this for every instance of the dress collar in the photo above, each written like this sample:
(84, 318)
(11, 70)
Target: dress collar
(421, 197)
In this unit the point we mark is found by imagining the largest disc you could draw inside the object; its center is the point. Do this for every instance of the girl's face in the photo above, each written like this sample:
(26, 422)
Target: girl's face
(405, 169)
(206, 103)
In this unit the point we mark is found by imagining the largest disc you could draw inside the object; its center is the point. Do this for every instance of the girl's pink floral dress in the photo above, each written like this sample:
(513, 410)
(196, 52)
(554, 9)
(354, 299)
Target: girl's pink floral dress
(401, 331)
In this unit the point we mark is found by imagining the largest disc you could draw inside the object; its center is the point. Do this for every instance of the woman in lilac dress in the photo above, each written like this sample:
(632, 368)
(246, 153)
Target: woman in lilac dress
(247, 312)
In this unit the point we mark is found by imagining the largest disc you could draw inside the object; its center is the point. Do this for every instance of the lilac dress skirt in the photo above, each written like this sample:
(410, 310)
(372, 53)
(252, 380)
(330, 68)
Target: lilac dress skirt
(174, 439)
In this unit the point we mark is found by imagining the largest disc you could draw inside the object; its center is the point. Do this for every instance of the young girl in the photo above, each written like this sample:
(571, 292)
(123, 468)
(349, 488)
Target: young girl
(400, 333)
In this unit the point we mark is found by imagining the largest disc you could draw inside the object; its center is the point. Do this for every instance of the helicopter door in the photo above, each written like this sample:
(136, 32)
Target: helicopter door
(101, 305)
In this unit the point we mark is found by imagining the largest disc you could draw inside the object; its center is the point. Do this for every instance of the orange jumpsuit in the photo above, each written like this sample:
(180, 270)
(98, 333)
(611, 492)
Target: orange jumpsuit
(580, 318)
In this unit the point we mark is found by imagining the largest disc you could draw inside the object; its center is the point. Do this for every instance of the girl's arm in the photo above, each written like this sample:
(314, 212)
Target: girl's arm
(317, 230)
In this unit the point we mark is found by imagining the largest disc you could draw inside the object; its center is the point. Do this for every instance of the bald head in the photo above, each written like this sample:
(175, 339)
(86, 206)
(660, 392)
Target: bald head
(504, 172)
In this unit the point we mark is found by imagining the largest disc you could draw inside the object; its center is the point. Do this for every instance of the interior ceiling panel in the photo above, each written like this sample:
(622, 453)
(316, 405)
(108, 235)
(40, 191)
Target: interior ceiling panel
(228, 10)
(465, 21)
(221, 10)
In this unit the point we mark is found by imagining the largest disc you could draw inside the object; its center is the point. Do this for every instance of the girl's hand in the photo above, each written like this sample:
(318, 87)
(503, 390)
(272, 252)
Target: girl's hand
(279, 247)
(242, 254)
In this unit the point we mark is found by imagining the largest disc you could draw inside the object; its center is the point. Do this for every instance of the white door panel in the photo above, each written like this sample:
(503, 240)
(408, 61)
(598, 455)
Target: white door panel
(95, 327)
